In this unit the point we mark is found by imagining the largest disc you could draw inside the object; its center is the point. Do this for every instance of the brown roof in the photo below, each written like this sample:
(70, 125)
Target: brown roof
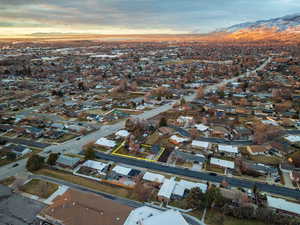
(260, 148)
(77, 208)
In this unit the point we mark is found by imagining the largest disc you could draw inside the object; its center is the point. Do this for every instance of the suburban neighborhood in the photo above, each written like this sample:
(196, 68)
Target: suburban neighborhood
(149, 132)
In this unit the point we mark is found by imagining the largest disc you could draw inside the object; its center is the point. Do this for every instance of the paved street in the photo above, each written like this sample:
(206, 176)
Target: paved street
(202, 175)
(8, 170)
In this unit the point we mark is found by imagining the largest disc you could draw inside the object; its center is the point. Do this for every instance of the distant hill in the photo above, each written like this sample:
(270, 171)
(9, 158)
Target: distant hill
(286, 28)
(290, 22)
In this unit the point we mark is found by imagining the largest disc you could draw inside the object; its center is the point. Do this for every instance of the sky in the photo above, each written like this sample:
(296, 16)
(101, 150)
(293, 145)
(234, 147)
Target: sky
(135, 16)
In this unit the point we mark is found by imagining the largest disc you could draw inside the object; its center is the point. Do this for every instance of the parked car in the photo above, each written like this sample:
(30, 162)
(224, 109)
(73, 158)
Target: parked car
(213, 174)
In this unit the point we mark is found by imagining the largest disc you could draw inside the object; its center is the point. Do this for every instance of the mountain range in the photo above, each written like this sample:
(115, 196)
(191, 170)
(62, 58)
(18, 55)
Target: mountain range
(286, 28)
(280, 24)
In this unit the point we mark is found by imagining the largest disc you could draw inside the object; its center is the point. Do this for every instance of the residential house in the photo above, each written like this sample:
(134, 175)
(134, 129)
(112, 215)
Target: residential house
(228, 150)
(106, 143)
(99, 168)
(172, 189)
(67, 161)
(122, 171)
(283, 206)
(194, 158)
(259, 149)
(177, 140)
(201, 127)
(293, 138)
(77, 208)
(154, 177)
(185, 121)
(19, 150)
(122, 134)
(202, 145)
(151, 216)
(262, 169)
(222, 163)
(34, 132)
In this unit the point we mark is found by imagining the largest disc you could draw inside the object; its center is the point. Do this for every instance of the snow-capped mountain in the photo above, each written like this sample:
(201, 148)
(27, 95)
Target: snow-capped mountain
(290, 22)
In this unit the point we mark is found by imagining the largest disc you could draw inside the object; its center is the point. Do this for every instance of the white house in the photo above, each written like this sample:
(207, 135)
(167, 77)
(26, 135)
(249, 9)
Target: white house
(222, 163)
(200, 144)
(283, 205)
(154, 177)
(149, 216)
(122, 134)
(106, 142)
(201, 127)
(228, 149)
(293, 138)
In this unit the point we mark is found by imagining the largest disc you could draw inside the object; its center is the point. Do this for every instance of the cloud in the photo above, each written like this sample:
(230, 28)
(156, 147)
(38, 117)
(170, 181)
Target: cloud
(171, 15)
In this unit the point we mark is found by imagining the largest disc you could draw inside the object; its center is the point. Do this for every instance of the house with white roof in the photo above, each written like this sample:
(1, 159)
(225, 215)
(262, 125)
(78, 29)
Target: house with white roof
(228, 149)
(149, 216)
(283, 205)
(106, 143)
(222, 163)
(201, 127)
(166, 190)
(100, 167)
(122, 134)
(154, 177)
(121, 170)
(293, 138)
(172, 189)
(175, 139)
(200, 144)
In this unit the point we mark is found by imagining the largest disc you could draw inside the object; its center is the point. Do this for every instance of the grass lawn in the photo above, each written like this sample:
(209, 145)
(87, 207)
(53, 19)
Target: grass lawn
(153, 138)
(124, 152)
(41, 188)
(184, 164)
(99, 148)
(122, 192)
(8, 181)
(214, 169)
(271, 160)
(212, 215)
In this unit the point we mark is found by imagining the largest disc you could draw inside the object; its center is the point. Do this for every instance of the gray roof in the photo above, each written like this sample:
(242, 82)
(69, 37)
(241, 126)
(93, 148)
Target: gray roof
(189, 156)
(67, 160)
(18, 210)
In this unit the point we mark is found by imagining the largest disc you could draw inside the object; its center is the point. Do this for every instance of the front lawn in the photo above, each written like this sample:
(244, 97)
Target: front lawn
(212, 216)
(271, 160)
(40, 188)
(122, 192)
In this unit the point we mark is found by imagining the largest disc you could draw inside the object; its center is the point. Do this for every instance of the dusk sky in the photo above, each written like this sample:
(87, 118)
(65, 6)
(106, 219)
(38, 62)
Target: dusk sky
(135, 16)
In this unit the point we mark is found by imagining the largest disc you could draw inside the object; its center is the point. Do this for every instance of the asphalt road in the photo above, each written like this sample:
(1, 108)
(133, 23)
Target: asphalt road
(8, 170)
(202, 175)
